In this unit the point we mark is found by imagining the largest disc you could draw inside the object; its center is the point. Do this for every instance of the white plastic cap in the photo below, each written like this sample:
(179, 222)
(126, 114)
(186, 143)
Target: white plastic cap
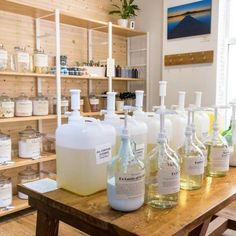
(198, 98)
(111, 100)
(75, 99)
(162, 88)
(181, 95)
(139, 99)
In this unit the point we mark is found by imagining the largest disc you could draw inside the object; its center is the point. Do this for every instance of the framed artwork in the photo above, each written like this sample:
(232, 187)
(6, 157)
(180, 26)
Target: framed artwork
(189, 19)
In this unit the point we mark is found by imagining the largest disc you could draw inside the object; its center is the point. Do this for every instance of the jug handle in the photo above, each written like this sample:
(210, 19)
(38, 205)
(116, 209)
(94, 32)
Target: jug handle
(90, 119)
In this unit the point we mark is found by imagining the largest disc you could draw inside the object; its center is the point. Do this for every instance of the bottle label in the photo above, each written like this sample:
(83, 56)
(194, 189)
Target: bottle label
(168, 181)
(194, 165)
(220, 159)
(40, 108)
(5, 195)
(103, 154)
(24, 108)
(5, 150)
(23, 57)
(6, 109)
(139, 152)
(64, 103)
(129, 186)
(41, 60)
(30, 147)
(3, 56)
(94, 101)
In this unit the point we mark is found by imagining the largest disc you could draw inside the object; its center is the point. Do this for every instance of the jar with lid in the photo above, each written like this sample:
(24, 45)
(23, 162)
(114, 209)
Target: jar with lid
(94, 104)
(24, 106)
(5, 147)
(21, 59)
(40, 61)
(26, 176)
(3, 58)
(40, 105)
(64, 104)
(30, 143)
(5, 191)
(6, 106)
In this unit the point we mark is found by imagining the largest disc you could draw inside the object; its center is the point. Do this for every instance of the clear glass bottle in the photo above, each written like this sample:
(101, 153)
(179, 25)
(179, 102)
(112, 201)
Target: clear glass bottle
(7, 106)
(26, 176)
(5, 147)
(217, 150)
(64, 104)
(192, 162)
(29, 143)
(125, 179)
(21, 59)
(23, 106)
(5, 191)
(40, 61)
(162, 173)
(3, 58)
(40, 105)
(94, 104)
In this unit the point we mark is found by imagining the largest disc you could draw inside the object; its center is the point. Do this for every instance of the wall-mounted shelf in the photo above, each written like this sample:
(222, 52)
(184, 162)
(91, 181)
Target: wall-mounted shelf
(28, 118)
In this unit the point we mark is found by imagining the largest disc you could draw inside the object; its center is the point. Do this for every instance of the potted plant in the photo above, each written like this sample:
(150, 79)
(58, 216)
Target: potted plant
(127, 10)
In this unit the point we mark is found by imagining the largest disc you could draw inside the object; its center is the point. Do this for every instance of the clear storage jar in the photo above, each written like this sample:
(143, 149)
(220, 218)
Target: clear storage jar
(24, 106)
(5, 147)
(21, 59)
(6, 106)
(40, 105)
(26, 176)
(94, 104)
(30, 143)
(40, 62)
(64, 104)
(5, 191)
(3, 58)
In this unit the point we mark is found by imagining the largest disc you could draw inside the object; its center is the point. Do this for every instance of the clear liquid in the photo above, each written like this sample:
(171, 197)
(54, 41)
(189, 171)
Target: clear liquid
(150, 147)
(78, 172)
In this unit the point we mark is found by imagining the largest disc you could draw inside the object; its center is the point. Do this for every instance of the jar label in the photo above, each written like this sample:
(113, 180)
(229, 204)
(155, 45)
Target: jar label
(5, 150)
(168, 181)
(3, 56)
(23, 57)
(193, 165)
(6, 109)
(94, 101)
(24, 108)
(5, 195)
(219, 159)
(129, 186)
(139, 152)
(103, 153)
(41, 60)
(30, 148)
(40, 108)
(64, 103)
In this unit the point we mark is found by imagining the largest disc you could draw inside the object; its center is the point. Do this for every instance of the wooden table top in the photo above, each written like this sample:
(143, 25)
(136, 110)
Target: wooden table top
(193, 209)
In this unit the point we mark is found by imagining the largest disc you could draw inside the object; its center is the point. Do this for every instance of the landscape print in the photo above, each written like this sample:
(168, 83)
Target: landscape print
(189, 19)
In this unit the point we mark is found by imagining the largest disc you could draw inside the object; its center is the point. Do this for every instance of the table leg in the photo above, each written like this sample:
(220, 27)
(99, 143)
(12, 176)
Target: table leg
(46, 225)
(201, 229)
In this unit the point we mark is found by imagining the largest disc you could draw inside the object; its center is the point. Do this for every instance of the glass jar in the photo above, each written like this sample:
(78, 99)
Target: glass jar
(22, 59)
(29, 143)
(24, 106)
(5, 147)
(6, 106)
(94, 104)
(40, 62)
(5, 191)
(64, 104)
(26, 176)
(3, 58)
(40, 105)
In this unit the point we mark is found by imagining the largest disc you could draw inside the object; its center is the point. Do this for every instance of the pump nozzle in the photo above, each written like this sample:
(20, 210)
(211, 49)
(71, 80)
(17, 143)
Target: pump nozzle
(162, 92)
(75, 99)
(215, 121)
(125, 132)
(139, 100)
(198, 98)
(111, 99)
(181, 100)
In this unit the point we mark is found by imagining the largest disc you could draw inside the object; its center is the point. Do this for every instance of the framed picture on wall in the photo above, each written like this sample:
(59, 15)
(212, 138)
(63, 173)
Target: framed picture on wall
(189, 19)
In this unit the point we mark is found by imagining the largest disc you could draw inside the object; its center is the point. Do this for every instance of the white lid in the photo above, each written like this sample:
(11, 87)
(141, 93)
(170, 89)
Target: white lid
(139, 99)
(181, 100)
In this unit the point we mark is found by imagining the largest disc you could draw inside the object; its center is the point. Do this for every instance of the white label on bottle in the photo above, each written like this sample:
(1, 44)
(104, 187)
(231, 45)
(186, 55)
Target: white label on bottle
(23, 57)
(168, 181)
(194, 165)
(5, 195)
(129, 185)
(94, 101)
(5, 150)
(30, 148)
(24, 108)
(3, 56)
(220, 159)
(6, 109)
(103, 153)
(40, 108)
(139, 152)
(41, 60)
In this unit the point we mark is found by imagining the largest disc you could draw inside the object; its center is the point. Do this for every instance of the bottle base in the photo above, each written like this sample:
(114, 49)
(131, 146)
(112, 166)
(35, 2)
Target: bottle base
(216, 173)
(162, 204)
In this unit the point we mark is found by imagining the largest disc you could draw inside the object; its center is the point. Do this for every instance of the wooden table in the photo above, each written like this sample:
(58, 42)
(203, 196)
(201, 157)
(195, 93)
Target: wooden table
(94, 216)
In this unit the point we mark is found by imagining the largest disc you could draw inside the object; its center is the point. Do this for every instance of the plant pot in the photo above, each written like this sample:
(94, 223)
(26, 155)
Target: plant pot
(123, 23)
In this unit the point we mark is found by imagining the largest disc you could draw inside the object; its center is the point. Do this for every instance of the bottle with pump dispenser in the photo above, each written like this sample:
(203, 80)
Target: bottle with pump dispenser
(162, 181)
(217, 150)
(192, 161)
(83, 148)
(125, 179)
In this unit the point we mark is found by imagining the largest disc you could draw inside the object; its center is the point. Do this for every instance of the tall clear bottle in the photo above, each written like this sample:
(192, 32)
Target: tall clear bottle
(192, 161)
(162, 172)
(217, 150)
(125, 179)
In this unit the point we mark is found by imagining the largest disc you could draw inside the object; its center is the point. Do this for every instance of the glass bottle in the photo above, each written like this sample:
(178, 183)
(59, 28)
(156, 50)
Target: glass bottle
(5, 191)
(23, 105)
(162, 172)
(3, 58)
(64, 104)
(40, 105)
(40, 61)
(22, 59)
(125, 179)
(7, 106)
(5, 147)
(94, 104)
(192, 162)
(217, 150)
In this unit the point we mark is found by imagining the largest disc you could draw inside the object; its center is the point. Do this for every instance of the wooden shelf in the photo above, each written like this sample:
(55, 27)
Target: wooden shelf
(24, 9)
(28, 118)
(18, 162)
(11, 73)
(19, 204)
